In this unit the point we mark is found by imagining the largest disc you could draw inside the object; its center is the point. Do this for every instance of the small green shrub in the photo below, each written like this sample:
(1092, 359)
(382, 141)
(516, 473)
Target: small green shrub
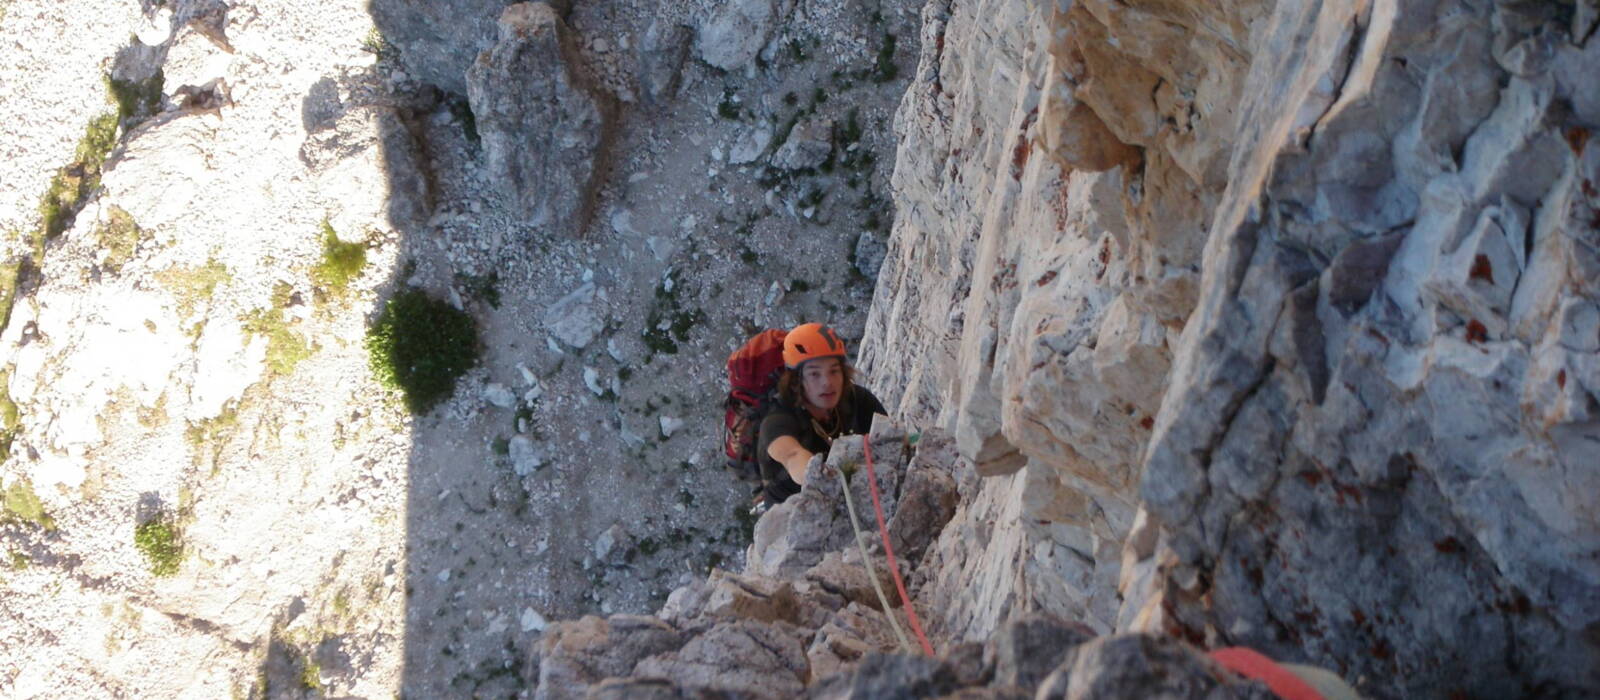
(376, 44)
(158, 539)
(311, 675)
(23, 504)
(420, 345)
(135, 98)
(341, 262)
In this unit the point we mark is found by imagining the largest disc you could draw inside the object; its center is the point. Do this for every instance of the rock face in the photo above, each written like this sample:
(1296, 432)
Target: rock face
(1431, 427)
(737, 30)
(661, 56)
(1237, 323)
(780, 634)
(916, 490)
(1310, 283)
(438, 42)
(546, 125)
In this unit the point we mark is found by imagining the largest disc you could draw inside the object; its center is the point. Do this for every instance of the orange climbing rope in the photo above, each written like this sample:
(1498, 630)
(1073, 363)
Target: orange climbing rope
(888, 550)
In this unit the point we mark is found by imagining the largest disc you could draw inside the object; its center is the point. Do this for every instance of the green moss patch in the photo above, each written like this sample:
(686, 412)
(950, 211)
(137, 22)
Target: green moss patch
(193, 286)
(10, 277)
(285, 348)
(119, 236)
(420, 345)
(158, 539)
(23, 504)
(74, 183)
(10, 417)
(341, 262)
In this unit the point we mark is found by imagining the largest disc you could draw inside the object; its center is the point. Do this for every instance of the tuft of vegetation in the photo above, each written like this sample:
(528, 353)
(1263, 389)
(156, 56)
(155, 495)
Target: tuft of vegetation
(193, 286)
(158, 539)
(10, 418)
(884, 68)
(10, 277)
(311, 675)
(728, 107)
(484, 288)
(341, 262)
(119, 236)
(419, 346)
(378, 45)
(462, 110)
(743, 532)
(285, 348)
(72, 184)
(215, 432)
(135, 98)
(23, 504)
(668, 323)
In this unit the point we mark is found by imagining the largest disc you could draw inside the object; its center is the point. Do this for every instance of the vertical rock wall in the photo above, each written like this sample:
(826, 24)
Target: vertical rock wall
(1053, 185)
(1312, 282)
(1380, 441)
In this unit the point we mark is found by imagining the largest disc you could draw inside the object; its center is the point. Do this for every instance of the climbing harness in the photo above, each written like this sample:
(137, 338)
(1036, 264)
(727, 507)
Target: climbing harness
(894, 569)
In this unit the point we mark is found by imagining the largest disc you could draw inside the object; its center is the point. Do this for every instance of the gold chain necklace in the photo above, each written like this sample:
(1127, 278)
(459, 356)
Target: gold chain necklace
(838, 426)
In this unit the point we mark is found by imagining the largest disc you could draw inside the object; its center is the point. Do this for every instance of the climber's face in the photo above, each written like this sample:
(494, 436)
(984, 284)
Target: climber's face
(823, 379)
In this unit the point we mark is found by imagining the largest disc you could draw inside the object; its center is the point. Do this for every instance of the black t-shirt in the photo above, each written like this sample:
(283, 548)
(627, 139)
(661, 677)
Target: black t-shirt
(854, 418)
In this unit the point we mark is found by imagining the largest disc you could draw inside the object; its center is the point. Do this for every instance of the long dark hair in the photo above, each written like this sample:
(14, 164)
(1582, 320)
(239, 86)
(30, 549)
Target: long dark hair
(791, 395)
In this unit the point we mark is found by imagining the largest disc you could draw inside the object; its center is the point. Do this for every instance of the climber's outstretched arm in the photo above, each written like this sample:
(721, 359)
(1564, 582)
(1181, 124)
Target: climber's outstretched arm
(788, 452)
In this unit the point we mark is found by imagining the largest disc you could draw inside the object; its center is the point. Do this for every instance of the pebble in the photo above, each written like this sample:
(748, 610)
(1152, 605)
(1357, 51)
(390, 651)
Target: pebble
(499, 395)
(532, 621)
(670, 425)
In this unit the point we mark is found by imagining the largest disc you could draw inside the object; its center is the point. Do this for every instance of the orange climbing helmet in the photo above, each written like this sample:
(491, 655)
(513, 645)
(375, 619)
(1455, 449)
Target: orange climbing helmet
(809, 341)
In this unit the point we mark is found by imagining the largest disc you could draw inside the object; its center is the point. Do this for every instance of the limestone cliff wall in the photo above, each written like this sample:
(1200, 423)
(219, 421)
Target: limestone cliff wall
(1272, 324)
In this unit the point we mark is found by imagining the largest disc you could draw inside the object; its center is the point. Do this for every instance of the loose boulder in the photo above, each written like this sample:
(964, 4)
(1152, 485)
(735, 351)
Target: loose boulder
(546, 125)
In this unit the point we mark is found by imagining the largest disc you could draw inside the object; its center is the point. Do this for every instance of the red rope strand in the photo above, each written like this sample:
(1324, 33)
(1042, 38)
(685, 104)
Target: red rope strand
(894, 569)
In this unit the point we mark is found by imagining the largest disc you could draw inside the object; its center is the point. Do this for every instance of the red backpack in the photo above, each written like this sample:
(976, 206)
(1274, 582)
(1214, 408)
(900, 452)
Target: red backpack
(753, 371)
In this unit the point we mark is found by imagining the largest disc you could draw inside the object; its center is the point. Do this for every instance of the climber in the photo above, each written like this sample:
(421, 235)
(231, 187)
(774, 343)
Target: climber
(817, 401)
